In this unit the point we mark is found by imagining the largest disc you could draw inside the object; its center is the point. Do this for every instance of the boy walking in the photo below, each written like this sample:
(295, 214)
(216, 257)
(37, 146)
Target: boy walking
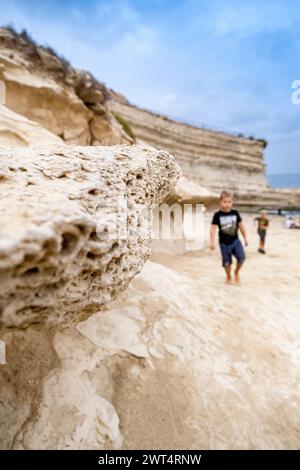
(229, 222)
(262, 226)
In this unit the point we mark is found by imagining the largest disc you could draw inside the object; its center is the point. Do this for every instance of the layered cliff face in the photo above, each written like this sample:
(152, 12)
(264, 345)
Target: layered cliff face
(43, 87)
(212, 159)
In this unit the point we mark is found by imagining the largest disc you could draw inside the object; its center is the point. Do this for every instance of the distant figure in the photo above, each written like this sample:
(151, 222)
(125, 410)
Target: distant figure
(229, 222)
(262, 226)
(279, 211)
(291, 223)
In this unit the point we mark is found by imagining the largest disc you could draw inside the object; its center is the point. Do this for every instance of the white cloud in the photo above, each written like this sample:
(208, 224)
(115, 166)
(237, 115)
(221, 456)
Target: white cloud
(246, 18)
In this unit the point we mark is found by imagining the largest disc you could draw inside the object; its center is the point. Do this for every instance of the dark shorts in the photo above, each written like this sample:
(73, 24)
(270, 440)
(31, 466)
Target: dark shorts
(236, 249)
(262, 234)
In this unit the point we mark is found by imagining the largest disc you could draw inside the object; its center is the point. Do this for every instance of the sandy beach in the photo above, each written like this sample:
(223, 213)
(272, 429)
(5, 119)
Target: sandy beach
(276, 270)
(248, 366)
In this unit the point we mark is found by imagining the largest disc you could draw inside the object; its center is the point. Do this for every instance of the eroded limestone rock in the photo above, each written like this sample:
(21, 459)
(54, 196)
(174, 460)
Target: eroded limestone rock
(59, 261)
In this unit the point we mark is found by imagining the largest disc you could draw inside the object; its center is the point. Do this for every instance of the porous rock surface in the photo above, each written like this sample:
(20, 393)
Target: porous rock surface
(59, 258)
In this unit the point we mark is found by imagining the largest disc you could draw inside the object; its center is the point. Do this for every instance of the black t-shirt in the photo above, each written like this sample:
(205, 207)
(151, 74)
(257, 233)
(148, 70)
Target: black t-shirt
(228, 223)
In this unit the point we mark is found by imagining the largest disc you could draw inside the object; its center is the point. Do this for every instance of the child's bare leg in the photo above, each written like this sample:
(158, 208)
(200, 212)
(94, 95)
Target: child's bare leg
(261, 247)
(236, 272)
(228, 273)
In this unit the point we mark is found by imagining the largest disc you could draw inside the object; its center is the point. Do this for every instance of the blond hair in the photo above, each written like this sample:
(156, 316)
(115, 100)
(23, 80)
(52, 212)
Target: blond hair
(226, 193)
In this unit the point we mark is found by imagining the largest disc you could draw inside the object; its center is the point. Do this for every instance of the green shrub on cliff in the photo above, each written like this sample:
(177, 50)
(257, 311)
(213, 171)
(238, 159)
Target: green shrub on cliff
(125, 125)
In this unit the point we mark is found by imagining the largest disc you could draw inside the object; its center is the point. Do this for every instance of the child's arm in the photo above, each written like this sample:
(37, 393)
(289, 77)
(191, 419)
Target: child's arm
(243, 232)
(213, 230)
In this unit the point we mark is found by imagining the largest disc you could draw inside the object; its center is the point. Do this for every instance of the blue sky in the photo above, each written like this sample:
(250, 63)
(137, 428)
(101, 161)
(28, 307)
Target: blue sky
(227, 64)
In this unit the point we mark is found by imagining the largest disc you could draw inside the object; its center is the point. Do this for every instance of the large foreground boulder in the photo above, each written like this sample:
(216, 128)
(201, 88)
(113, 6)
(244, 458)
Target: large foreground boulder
(60, 257)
